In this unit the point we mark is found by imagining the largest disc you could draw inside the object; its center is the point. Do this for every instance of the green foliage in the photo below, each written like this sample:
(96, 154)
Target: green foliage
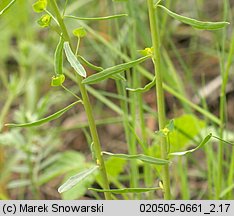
(186, 127)
(97, 18)
(141, 157)
(126, 190)
(58, 58)
(73, 60)
(204, 141)
(107, 73)
(145, 88)
(45, 120)
(195, 23)
(76, 179)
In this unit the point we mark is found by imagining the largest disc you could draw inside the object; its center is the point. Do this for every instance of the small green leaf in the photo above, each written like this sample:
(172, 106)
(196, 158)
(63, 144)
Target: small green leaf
(145, 88)
(58, 57)
(88, 64)
(57, 80)
(76, 179)
(40, 6)
(79, 32)
(125, 190)
(73, 60)
(96, 68)
(97, 18)
(141, 157)
(44, 21)
(207, 138)
(107, 73)
(195, 23)
(7, 7)
(45, 120)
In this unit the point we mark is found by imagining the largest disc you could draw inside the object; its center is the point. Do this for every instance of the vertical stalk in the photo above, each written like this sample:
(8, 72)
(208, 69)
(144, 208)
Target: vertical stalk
(223, 103)
(160, 93)
(133, 97)
(88, 108)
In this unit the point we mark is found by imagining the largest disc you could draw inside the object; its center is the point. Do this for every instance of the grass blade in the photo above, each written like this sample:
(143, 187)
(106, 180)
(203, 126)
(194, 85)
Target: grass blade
(45, 120)
(226, 191)
(76, 179)
(126, 190)
(141, 157)
(195, 23)
(204, 141)
(97, 18)
(112, 71)
(73, 60)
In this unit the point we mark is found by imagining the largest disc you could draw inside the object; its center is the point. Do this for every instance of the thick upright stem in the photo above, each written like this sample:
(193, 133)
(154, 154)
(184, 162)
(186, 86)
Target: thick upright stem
(160, 94)
(87, 106)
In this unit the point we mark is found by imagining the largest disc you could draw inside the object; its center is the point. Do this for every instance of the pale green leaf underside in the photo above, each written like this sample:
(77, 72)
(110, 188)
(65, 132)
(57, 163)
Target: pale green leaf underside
(45, 120)
(141, 157)
(96, 18)
(76, 179)
(204, 141)
(195, 23)
(73, 60)
(125, 190)
(109, 72)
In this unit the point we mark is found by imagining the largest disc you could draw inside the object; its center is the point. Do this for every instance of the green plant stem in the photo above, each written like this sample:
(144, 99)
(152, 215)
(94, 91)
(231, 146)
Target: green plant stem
(88, 109)
(133, 97)
(222, 113)
(160, 94)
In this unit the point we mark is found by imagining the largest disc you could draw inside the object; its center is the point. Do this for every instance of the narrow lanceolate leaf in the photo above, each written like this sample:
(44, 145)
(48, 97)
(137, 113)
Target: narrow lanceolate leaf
(7, 7)
(107, 73)
(45, 120)
(125, 190)
(73, 60)
(89, 64)
(97, 68)
(97, 18)
(207, 138)
(195, 23)
(224, 141)
(58, 57)
(141, 157)
(145, 88)
(76, 179)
